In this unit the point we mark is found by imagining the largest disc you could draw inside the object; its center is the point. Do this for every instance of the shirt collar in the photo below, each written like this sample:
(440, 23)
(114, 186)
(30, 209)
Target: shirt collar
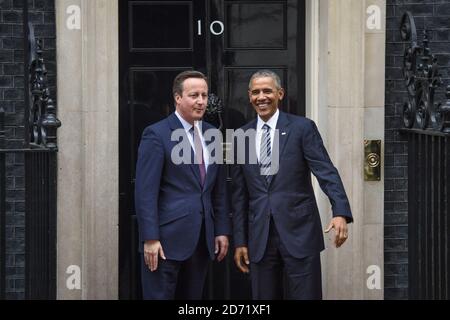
(186, 125)
(272, 122)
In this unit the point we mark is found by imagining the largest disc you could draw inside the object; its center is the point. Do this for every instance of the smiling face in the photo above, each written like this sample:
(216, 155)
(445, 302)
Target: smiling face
(265, 96)
(192, 102)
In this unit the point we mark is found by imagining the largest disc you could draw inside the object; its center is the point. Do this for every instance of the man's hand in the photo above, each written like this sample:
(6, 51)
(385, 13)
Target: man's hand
(241, 259)
(221, 247)
(339, 224)
(153, 249)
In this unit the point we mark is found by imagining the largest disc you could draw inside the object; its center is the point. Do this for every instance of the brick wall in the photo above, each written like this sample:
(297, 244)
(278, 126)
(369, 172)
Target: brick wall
(41, 14)
(435, 17)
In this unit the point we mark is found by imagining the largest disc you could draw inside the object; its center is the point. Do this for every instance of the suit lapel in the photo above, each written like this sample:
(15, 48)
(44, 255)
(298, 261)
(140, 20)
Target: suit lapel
(210, 174)
(251, 155)
(282, 127)
(212, 167)
(283, 135)
(194, 167)
(175, 124)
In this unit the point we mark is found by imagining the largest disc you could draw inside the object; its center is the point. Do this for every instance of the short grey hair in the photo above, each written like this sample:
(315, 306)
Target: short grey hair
(263, 74)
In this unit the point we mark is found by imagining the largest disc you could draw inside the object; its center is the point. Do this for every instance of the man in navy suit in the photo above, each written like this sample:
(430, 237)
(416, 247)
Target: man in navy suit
(276, 224)
(181, 208)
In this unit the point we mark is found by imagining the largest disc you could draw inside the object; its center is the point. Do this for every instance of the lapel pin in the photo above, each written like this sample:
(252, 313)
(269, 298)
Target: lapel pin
(283, 133)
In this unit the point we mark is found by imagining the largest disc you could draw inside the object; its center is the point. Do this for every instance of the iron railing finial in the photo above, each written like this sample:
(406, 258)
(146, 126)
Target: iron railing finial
(422, 79)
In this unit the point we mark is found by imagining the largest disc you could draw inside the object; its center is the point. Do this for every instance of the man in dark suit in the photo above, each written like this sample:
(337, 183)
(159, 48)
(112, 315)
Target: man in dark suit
(277, 227)
(181, 208)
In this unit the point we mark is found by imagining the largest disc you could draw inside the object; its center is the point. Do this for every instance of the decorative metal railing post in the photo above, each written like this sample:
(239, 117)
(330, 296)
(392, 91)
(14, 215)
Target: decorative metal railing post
(42, 120)
(50, 124)
(2, 206)
(446, 112)
(27, 45)
(422, 78)
(39, 149)
(427, 128)
(40, 177)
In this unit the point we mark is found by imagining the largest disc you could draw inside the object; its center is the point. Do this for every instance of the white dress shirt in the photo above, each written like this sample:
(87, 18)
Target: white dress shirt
(272, 123)
(187, 127)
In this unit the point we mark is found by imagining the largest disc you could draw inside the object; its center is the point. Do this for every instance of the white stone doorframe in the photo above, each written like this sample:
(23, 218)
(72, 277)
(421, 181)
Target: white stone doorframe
(345, 41)
(345, 90)
(88, 193)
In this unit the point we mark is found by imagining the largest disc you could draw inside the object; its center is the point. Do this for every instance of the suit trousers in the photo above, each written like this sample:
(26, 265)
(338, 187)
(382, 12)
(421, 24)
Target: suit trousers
(180, 280)
(279, 275)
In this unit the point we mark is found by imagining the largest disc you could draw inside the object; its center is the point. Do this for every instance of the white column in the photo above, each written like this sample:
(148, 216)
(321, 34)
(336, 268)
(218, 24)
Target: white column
(88, 147)
(374, 108)
(347, 73)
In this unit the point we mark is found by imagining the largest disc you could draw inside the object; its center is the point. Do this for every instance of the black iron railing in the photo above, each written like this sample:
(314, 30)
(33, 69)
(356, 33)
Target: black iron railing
(39, 151)
(422, 79)
(428, 215)
(427, 126)
(2, 206)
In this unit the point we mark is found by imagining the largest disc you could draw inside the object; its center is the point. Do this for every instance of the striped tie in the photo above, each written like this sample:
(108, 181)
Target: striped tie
(265, 153)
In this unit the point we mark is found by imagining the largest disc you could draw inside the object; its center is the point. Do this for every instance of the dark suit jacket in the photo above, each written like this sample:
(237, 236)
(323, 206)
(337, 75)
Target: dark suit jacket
(170, 201)
(289, 197)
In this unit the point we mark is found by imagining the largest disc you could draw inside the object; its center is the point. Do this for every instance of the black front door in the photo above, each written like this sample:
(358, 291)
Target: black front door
(228, 41)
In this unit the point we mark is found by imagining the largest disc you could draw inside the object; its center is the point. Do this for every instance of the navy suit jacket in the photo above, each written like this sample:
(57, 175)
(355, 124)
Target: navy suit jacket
(289, 197)
(170, 202)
